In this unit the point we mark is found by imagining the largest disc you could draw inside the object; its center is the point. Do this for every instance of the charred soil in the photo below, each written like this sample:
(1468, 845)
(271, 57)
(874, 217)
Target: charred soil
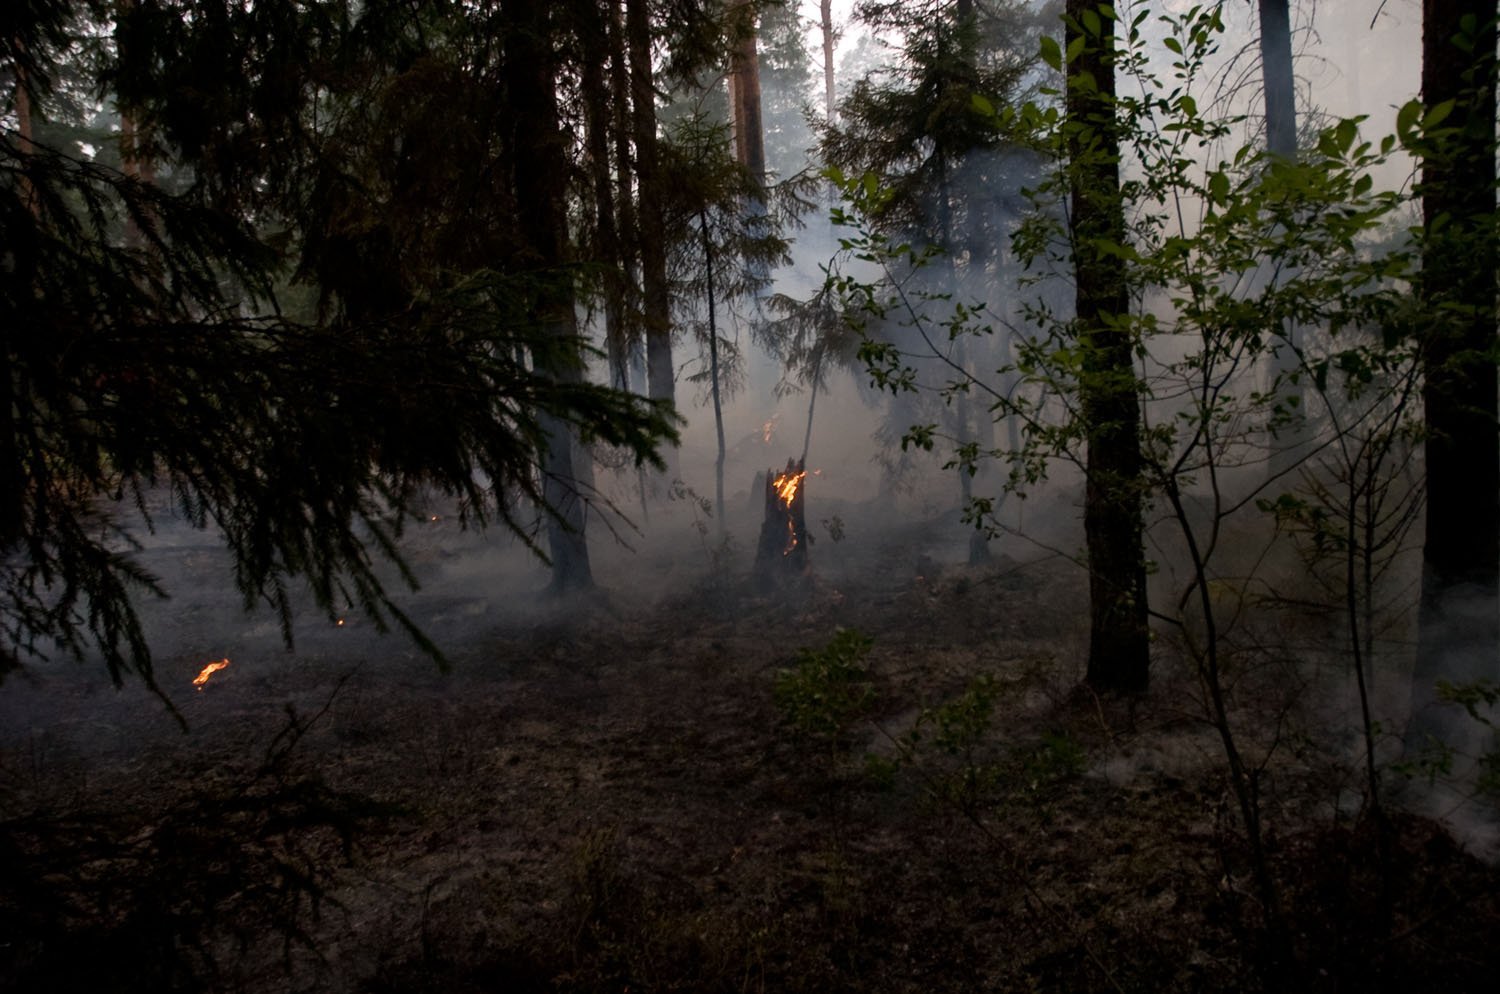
(611, 797)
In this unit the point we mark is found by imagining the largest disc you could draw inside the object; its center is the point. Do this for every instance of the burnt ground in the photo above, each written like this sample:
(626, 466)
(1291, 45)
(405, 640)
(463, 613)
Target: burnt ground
(608, 796)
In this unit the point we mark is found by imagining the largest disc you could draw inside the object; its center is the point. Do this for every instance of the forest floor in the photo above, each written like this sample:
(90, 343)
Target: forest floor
(608, 796)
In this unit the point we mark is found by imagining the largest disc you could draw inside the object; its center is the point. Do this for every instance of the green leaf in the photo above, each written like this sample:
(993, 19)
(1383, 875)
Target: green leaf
(982, 104)
(1437, 115)
(1218, 186)
(1051, 53)
(1407, 116)
(1075, 48)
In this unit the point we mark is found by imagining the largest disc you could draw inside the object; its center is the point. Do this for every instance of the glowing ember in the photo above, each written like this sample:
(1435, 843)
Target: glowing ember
(786, 484)
(340, 623)
(208, 671)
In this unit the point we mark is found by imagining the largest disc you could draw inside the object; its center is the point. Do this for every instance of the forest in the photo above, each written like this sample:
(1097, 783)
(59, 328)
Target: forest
(749, 495)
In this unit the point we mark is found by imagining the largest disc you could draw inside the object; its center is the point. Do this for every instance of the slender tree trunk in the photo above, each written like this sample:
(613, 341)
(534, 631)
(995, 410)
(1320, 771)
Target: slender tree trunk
(1459, 627)
(1289, 448)
(1276, 72)
(23, 130)
(1119, 650)
(720, 508)
(540, 171)
(657, 301)
(825, 22)
(607, 245)
(629, 230)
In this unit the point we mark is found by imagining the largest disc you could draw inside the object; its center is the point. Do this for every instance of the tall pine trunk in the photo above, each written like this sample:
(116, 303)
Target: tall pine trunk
(540, 169)
(1119, 651)
(744, 92)
(1459, 637)
(657, 301)
(598, 123)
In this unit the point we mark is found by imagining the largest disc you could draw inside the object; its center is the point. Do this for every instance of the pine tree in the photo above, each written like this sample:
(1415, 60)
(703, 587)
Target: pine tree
(348, 154)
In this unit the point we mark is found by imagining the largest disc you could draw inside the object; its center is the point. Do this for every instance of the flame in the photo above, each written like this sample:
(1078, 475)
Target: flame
(786, 484)
(339, 623)
(208, 671)
(768, 428)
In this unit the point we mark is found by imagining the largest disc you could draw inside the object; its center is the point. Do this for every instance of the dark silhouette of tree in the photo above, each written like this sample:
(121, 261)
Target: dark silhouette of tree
(1459, 636)
(1119, 647)
(339, 300)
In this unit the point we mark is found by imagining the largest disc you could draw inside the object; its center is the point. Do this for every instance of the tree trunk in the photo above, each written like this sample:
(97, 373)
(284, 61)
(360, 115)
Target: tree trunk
(23, 130)
(1276, 72)
(629, 230)
(744, 92)
(1459, 627)
(597, 125)
(651, 197)
(721, 509)
(1119, 651)
(1289, 448)
(540, 171)
(825, 22)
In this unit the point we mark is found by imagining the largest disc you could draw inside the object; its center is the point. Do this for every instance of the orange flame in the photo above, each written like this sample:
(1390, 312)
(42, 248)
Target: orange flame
(786, 484)
(768, 428)
(208, 671)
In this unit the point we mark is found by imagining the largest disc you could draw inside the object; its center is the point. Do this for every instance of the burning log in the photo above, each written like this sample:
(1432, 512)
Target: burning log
(784, 539)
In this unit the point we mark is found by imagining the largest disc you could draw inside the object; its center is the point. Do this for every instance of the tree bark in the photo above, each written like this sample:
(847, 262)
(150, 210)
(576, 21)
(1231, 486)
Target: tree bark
(1119, 651)
(1276, 74)
(825, 22)
(657, 302)
(540, 170)
(744, 92)
(1459, 626)
(598, 123)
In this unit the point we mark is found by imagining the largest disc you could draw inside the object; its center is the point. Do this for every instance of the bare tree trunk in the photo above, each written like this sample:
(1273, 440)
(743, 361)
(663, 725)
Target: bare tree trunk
(825, 22)
(628, 227)
(1289, 448)
(744, 91)
(657, 301)
(23, 129)
(1459, 627)
(597, 124)
(1119, 648)
(540, 170)
(720, 507)
(1276, 72)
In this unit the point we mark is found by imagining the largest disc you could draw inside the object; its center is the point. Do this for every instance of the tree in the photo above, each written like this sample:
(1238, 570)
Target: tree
(948, 173)
(1119, 638)
(825, 25)
(656, 296)
(744, 88)
(539, 160)
(301, 431)
(1459, 622)
(1276, 73)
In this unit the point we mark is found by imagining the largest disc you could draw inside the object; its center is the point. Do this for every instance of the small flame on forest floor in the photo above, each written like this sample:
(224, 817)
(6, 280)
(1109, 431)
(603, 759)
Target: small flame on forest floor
(769, 428)
(339, 623)
(208, 671)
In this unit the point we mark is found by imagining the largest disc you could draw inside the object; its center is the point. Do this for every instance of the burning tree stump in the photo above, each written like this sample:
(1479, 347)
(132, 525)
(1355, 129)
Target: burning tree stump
(782, 551)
